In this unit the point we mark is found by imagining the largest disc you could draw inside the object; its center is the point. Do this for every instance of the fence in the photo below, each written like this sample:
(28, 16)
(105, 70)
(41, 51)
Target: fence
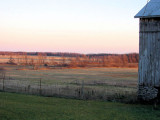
(79, 90)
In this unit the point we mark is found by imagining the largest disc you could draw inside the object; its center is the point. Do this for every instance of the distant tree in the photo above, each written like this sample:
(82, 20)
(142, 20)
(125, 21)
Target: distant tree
(33, 64)
(18, 59)
(11, 60)
(104, 61)
(63, 61)
(111, 61)
(24, 59)
(73, 62)
(125, 60)
(52, 61)
(85, 60)
(41, 58)
(79, 62)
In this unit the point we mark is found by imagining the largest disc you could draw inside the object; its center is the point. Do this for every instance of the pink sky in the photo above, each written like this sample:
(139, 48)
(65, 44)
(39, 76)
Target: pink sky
(81, 27)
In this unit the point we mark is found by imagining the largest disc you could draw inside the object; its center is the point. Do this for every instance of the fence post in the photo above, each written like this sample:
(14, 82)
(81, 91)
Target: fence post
(3, 81)
(82, 90)
(3, 84)
(40, 90)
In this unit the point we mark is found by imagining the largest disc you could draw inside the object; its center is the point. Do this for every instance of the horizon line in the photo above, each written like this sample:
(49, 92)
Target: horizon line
(70, 52)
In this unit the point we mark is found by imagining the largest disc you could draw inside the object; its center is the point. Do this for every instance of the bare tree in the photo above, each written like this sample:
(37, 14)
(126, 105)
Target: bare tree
(52, 61)
(18, 59)
(124, 60)
(26, 59)
(41, 58)
(104, 61)
(85, 60)
(73, 62)
(33, 64)
(63, 61)
(11, 60)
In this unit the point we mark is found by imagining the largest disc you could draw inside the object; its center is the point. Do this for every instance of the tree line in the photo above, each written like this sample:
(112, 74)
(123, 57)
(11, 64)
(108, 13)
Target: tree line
(79, 60)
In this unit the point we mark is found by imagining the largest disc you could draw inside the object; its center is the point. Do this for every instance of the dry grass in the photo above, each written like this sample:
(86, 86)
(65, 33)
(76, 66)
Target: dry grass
(86, 83)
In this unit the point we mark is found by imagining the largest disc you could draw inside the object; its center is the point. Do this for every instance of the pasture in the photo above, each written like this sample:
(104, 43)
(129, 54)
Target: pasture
(82, 83)
(26, 107)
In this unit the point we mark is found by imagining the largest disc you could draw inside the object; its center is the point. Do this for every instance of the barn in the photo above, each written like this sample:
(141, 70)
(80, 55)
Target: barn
(149, 51)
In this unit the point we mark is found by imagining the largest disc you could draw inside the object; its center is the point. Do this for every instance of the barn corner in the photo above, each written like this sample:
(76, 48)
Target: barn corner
(149, 51)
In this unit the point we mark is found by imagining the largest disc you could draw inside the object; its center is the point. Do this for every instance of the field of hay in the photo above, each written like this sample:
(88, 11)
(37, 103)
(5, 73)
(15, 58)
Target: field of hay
(82, 83)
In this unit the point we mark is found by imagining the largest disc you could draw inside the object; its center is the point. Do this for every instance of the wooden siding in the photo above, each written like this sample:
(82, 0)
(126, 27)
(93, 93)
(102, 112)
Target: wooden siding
(149, 52)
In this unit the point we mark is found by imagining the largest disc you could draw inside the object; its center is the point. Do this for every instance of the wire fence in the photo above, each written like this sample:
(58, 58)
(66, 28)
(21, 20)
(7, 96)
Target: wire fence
(80, 90)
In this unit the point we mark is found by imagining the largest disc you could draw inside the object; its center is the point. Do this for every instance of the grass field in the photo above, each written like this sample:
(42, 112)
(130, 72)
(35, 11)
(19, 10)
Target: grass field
(88, 83)
(111, 76)
(26, 107)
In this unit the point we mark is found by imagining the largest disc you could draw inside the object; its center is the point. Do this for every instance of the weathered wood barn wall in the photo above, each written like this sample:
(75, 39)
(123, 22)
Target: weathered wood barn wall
(149, 51)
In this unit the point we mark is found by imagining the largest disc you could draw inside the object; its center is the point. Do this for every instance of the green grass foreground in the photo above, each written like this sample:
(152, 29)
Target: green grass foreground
(27, 107)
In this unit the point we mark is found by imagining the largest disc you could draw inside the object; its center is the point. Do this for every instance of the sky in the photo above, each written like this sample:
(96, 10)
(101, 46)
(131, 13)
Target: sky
(78, 26)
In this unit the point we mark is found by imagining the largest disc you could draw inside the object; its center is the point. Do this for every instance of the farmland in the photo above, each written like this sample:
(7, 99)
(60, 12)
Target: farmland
(82, 83)
(26, 107)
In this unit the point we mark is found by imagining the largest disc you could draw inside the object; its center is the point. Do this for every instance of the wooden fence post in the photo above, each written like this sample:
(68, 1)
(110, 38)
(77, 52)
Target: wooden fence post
(40, 89)
(3, 84)
(3, 81)
(82, 90)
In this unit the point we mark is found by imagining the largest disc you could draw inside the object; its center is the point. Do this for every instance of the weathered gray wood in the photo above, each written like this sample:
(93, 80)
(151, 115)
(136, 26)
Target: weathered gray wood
(157, 82)
(149, 54)
(149, 50)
